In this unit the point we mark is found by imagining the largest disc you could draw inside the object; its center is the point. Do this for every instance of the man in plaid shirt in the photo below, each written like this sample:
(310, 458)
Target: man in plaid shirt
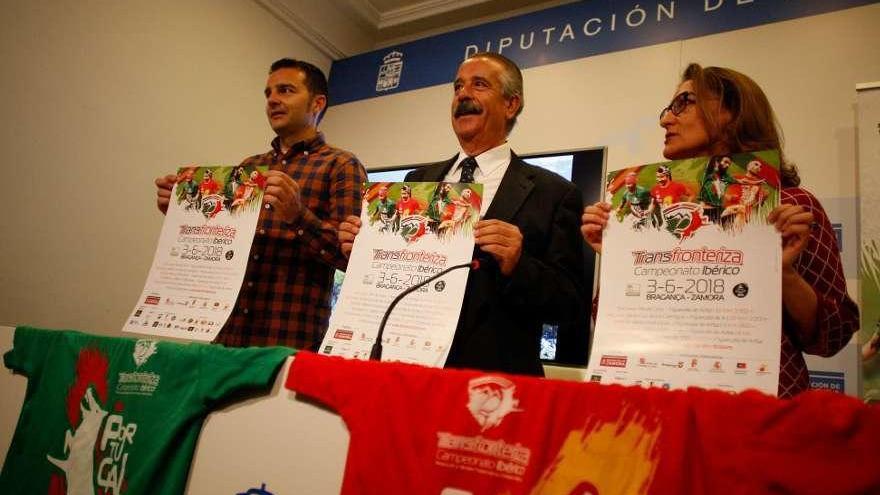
(310, 188)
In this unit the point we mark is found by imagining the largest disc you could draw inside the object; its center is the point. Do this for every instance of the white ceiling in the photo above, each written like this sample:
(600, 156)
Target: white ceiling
(342, 28)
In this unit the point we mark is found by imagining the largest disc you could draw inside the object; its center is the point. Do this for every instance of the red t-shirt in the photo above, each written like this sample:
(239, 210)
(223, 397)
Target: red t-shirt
(209, 186)
(408, 207)
(453, 432)
(672, 192)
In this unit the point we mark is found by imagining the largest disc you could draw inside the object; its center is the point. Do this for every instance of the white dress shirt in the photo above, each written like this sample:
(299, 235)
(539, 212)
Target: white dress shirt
(491, 166)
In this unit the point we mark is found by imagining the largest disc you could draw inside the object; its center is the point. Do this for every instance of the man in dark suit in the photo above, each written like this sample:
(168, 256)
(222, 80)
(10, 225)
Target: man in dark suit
(529, 231)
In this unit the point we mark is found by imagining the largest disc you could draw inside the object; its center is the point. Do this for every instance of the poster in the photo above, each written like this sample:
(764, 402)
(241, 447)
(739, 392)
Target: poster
(202, 254)
(410, 232)
(691, 276)
(868, 110)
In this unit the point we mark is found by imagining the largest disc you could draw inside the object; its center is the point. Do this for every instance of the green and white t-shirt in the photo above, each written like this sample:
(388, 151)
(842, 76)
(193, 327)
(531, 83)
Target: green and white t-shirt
(113, 416)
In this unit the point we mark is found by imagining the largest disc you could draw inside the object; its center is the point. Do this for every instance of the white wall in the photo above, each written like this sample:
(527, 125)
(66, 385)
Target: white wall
(98, 98)
(337, 28)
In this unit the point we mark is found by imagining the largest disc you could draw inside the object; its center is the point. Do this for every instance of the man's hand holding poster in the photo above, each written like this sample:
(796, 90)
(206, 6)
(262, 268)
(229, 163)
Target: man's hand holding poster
(690, 277)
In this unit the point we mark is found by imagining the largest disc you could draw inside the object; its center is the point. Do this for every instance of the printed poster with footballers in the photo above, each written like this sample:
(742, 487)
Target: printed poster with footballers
(690, 276)
(202, 254)
(410, 231)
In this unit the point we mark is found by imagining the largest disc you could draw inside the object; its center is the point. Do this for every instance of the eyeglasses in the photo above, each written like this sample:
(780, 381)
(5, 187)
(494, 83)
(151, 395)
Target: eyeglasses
(679, 103)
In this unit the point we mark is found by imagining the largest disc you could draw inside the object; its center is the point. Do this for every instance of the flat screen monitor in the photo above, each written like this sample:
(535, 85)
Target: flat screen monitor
(567, 344)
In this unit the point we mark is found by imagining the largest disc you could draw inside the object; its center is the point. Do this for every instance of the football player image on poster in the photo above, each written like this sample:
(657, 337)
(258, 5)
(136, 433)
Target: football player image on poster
(202, 254)
(690, 275)
(411, 232)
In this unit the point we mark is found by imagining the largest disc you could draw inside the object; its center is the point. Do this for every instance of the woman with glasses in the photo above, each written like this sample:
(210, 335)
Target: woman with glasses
(717, 111)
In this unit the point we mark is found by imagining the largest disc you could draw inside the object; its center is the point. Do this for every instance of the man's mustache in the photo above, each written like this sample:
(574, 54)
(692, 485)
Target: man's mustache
(467, 107)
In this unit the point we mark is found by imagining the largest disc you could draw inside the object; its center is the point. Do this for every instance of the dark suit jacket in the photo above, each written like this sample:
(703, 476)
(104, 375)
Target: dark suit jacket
(501, 320)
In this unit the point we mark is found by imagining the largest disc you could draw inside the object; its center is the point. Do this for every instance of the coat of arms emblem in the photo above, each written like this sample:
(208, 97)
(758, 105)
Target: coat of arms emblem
(389, 71)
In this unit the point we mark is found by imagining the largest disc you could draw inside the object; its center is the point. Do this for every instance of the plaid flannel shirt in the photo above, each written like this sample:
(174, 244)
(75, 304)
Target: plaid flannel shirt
(285, 295)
